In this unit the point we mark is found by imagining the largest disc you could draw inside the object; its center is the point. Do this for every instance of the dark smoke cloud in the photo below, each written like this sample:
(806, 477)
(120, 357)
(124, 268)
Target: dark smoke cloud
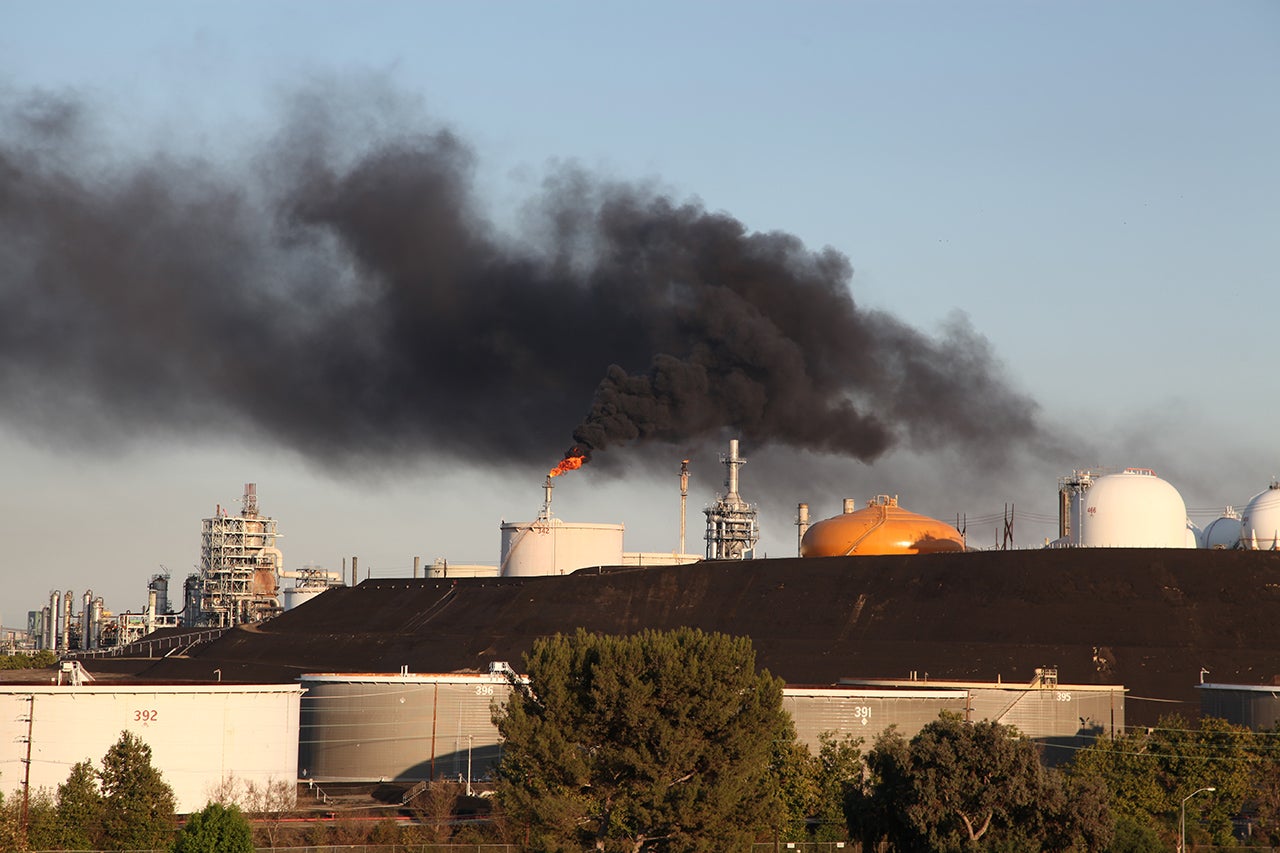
(345, 295)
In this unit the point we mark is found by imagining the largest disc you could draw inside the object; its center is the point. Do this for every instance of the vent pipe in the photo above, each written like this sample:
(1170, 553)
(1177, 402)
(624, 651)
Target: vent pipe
(802, 524)
(731, 476)
(546, 500)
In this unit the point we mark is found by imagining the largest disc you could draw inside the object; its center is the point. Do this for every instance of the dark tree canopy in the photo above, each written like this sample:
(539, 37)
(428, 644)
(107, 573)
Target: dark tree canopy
(657, 741)
(972, 786)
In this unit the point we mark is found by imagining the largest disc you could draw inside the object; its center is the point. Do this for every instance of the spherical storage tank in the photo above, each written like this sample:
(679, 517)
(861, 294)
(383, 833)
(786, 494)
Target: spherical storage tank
(882, 527)
(1223, 532)
(1133, 509)
(1260, 521)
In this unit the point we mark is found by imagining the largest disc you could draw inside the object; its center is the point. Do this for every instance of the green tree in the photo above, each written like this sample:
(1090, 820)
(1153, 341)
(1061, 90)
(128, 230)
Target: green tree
(836, 769)
(79, 809)
(12, 838)
(792, 776)
(42, 659)
(1150, 771)
(657, 741)
(42, 821)
(1132, 836)
(215, 829)
(137, 803)
(972, 786)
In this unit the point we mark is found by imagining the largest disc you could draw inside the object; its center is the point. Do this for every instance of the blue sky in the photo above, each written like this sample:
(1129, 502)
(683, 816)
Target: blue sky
(1094, 185)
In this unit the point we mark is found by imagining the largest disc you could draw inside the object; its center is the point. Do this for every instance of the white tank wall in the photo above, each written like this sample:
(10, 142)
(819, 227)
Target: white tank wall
(1133, 509)
(555, 547)
(198, 735)
(1260, 521)
(295, 595)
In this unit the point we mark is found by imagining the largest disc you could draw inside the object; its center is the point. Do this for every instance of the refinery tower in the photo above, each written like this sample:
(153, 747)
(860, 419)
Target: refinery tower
(239, 565)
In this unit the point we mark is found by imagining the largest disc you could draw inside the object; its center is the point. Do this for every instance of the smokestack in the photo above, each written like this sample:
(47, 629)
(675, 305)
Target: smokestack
(546, 500)
(355, 571)
(250, 500)
(684, 498)
(417, 562)
(802, 524)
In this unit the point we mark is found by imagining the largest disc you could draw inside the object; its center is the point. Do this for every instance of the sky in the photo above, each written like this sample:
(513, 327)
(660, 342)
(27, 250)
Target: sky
(391, 261)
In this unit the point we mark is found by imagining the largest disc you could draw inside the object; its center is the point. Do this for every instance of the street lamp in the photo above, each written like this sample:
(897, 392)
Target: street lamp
(1182, 819)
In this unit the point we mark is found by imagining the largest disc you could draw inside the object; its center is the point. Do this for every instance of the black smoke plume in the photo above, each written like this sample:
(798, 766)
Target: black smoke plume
(341, 291)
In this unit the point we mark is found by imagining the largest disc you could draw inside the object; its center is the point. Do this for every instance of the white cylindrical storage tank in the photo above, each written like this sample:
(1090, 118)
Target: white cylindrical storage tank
(1260, 521)
(199, 734)
(550, 546)
(295, 595)
(1133, 509)
(1223, 532)
(367, 727)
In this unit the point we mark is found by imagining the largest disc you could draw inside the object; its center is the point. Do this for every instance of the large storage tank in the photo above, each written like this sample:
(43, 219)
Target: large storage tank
(1224, 531)
(1260, 521)
(1133, 509)
(1061, 717)
(408, 727)
(865, 712)
(1255, 706)
(199, 735)
(882, 527)
(550, 546)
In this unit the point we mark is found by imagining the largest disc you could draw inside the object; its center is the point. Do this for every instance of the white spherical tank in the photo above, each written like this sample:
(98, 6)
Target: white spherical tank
(1223, 532)
(550, 546)
(1260, 521)
(1133, 509)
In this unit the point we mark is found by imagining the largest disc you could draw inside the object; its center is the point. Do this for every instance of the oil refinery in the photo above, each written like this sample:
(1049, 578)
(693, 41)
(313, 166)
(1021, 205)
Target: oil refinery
(884, 617)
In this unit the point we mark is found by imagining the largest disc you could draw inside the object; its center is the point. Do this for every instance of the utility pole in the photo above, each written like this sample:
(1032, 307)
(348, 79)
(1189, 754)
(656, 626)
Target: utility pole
(26, 773)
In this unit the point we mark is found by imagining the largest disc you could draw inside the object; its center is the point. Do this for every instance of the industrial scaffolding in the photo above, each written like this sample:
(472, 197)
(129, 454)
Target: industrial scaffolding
(239, 562)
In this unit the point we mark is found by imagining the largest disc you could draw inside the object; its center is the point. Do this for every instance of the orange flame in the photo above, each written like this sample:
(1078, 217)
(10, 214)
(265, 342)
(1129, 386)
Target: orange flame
(569, 463)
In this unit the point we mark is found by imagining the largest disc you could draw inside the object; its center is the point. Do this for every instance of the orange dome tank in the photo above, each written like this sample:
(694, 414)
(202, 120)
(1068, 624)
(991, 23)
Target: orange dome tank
(882, 528)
